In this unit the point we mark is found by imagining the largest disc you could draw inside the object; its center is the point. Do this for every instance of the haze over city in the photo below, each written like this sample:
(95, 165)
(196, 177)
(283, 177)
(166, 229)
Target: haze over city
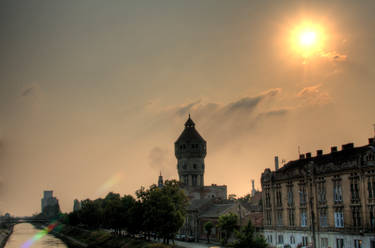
(94, 94)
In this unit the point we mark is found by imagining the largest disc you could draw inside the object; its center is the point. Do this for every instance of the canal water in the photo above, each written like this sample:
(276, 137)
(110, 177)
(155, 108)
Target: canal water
(24, 233)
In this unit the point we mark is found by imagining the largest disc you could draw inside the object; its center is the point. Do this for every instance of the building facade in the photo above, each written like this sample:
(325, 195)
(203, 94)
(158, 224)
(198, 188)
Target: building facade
(327, 199)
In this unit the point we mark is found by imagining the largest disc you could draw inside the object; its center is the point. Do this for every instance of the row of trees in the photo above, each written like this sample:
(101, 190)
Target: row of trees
(245, 236)
(158, 211)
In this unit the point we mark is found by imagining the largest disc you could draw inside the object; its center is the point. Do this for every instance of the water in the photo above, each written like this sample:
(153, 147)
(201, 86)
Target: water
(25, 231)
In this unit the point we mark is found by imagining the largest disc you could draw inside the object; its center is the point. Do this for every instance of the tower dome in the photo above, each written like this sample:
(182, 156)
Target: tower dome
(190, 151)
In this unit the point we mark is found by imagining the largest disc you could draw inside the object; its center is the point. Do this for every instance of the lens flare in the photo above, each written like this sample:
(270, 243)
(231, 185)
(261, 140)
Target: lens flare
(40, 234)
(112, 181)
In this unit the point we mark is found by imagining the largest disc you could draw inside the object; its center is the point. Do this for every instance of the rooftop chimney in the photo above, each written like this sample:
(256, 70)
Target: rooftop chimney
(276, 162)
(302, 156)
(308, 155)
(319, 153)
(347, 146)
(333, 149)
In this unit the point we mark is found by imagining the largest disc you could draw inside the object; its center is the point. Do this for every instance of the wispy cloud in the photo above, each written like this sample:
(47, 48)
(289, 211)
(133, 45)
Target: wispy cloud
(314, 95)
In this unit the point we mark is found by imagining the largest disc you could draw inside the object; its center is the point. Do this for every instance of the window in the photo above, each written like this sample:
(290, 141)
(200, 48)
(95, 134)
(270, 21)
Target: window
(194, 166)
(371, 187)
(194, 180)
(321, 187)
(279, 217)
(184, 166)
(339, 218)
(323, 218)
(268, 218)
(337, 190)
(185, 179)
(290, 194)
(305, 240)
(303, 218)
(372, 243)
(354, 187)
(339, 243)
(356, 214)
(269, 239)
(324, 242)
(279, 201)
(291, 217)
(372, 218)
(280, 239)
(302, 194)
(357, 243)
(268, 197)
(292, 240)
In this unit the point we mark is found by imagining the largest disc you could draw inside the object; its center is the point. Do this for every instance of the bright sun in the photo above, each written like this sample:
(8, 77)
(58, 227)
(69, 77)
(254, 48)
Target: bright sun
(307, 39)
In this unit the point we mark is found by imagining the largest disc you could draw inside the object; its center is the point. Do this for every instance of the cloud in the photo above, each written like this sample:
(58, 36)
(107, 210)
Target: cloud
(182, 111)
(334, 56)
(274, 113)
(224, 122)
(314, 95)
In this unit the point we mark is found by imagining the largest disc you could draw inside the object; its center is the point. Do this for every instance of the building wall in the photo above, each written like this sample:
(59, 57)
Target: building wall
(358, 166)
(330, 236)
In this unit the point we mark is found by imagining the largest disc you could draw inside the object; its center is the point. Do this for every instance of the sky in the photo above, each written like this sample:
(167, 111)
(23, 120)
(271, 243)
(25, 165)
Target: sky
(93, 94)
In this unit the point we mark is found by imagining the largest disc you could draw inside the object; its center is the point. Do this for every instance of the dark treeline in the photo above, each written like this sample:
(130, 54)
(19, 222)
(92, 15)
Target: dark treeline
(155, 211)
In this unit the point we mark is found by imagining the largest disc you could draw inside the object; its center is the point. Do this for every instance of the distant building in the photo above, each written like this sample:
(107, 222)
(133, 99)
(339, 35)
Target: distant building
(76, 205)
(190, 151)
(206, 202)
(50, 204)
(329, 198)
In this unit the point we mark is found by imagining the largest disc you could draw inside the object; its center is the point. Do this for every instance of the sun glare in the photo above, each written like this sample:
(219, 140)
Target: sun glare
(307, 39)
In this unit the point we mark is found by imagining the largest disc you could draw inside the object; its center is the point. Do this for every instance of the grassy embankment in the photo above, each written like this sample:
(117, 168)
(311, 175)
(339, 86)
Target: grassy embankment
(81, 238)
(5, 234)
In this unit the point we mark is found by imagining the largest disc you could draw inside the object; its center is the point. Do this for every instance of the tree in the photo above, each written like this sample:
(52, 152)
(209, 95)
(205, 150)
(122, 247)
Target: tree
(164, 209)
(91, 213)
(247, 237)
(208, 227)
(227, 223)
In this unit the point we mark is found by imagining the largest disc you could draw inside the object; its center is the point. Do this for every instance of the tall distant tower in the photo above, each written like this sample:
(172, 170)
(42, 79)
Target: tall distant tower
(190, 151)
(253, 191)
(160, 181)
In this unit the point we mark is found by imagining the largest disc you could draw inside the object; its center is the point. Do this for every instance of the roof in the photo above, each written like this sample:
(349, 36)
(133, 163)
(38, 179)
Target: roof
(348, 158)
(215, 210)
(199, 204)
(190, 134)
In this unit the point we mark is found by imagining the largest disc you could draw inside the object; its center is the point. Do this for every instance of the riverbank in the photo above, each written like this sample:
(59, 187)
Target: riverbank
(5, 234)
(82, 238)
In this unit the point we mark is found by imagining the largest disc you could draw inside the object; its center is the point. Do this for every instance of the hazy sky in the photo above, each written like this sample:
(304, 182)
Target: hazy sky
(93, 94)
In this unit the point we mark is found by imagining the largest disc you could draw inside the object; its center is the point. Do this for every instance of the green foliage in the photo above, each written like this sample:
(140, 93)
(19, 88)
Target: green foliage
(227, 223)
(208, 228)
(157, 210)
(247, 237)
(164, 209)
(245, 199)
